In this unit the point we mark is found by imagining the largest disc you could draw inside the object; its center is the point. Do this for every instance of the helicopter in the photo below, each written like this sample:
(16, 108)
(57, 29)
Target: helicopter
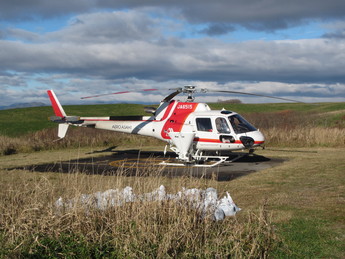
(197, 134)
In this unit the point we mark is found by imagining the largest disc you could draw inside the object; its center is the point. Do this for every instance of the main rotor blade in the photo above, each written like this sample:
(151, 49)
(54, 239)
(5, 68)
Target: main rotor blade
(172, 95)
(123, 92)
(261, 95)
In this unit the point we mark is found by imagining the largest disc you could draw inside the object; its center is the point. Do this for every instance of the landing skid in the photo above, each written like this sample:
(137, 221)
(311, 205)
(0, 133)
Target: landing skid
(203, 161)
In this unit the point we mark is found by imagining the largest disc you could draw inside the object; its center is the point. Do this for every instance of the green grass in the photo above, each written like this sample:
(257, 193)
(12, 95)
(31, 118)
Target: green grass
(308, 238)
(105, 109)
(17, 122)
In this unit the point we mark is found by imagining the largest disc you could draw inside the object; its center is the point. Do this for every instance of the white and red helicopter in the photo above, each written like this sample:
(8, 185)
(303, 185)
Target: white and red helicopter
(193, 131)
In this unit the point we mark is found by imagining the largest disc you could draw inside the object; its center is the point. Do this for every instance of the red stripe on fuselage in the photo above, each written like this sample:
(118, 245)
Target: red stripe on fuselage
(208, 140)
(167, 111)
(111, 120)
(178, 117)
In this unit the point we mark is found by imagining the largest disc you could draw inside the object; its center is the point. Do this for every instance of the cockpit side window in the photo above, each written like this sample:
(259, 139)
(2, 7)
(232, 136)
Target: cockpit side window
(204, 124)
(240, 125)
(222, 126)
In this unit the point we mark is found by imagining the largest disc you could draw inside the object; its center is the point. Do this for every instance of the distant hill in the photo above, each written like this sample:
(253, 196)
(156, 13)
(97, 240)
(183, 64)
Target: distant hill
(22, 105)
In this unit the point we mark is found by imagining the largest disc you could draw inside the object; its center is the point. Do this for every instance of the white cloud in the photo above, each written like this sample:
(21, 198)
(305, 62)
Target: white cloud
(108, 27)
(72, 89)
(98, 52)
(254, 14)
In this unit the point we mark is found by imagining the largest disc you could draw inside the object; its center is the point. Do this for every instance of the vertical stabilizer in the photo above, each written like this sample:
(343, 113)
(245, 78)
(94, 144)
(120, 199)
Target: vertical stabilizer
(59, 111)
(62, 130)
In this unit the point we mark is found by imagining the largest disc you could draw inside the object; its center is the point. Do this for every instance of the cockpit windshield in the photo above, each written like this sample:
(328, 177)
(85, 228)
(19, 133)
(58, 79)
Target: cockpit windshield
(240, 125)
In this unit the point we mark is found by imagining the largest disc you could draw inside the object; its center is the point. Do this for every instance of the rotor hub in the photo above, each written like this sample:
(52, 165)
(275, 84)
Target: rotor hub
(190, 90)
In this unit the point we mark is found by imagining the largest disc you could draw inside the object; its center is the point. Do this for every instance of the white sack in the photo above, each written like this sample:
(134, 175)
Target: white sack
(205, 201)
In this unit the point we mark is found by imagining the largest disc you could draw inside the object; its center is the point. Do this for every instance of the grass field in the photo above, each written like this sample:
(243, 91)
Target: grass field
(294, 210)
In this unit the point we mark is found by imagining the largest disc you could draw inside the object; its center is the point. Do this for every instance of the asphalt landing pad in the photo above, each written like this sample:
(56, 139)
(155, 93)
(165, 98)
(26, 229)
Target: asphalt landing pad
(147, 163)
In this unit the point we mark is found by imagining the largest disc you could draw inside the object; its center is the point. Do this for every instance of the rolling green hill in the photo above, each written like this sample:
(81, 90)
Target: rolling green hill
(17, 122)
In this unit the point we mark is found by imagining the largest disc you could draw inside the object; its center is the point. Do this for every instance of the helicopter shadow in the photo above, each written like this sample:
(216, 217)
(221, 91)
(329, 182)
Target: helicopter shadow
(135, 162)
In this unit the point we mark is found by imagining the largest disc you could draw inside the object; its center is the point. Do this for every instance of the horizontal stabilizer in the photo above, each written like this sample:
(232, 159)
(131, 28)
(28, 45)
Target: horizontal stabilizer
(70, 119)
(56, 119)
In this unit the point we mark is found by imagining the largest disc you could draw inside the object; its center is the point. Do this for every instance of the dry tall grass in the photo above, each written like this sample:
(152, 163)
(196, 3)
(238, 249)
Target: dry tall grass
(296, 129)
(305, 137)
(47, 140)
(30, 224)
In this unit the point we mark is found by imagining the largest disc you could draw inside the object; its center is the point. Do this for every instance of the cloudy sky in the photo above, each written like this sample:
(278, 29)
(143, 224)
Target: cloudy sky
(293, 49)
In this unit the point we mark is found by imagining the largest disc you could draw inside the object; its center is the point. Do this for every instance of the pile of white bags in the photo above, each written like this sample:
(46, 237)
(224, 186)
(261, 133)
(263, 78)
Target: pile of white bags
(205, 201)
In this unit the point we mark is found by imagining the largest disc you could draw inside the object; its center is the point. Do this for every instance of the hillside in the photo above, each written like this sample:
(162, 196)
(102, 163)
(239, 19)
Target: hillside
(18, 122)
(22, 105)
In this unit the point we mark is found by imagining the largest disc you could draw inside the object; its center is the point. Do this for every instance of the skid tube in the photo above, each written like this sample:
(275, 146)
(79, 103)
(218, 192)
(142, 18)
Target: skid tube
(221, 160)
